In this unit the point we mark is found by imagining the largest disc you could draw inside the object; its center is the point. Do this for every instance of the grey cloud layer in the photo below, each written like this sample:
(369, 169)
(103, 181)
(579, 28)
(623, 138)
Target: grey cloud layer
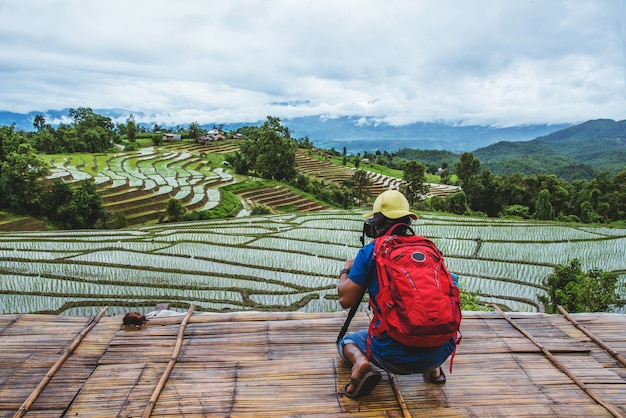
(489, 62)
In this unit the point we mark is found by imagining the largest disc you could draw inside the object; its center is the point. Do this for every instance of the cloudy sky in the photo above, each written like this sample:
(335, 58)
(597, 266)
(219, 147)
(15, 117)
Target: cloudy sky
(493, 62)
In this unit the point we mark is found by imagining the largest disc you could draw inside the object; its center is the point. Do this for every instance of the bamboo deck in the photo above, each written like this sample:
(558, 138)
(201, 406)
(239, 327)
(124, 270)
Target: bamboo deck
(286, 364)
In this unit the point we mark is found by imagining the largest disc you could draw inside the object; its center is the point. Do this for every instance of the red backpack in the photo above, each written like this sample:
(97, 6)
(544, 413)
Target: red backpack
(418, 304)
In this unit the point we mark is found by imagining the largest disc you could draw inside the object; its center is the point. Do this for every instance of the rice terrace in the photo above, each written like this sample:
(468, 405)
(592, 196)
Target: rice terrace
(283, 261)
(231, 301)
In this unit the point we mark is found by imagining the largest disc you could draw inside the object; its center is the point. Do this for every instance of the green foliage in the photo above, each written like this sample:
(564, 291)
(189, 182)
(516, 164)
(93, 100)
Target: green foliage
(414, 174)
(119, 221)
(175, 210)
(467, 166)
(21, 179)
(573, 153)
(260, 210)
(130, 146)
(577, 291)
(457, 203)
(229, 207)
(84, 209)
(471, 302)
(515, 211)
(544, 211)
(359, 183)
(269, 151)
(437, 158)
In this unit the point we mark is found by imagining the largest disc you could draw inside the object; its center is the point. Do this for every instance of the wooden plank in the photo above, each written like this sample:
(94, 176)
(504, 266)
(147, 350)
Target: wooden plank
(286, 364)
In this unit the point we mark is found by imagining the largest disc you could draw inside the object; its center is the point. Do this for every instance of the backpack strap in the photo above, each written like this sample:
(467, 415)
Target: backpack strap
(457, 341)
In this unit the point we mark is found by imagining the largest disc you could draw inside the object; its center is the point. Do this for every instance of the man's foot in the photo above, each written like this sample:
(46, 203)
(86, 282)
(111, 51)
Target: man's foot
(359, 370)
(362, 386)
(436, 376)
(362, 379)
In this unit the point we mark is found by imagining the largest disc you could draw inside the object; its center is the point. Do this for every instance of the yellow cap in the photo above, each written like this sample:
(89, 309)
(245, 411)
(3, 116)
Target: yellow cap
(392, 204)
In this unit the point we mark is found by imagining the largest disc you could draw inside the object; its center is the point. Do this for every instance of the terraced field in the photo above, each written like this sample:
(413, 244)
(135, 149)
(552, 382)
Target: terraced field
(330, 172)
(140, 184)
(280, 199)
(275, 262)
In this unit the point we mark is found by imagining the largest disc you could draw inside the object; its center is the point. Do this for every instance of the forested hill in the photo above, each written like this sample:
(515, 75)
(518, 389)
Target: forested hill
(572, 153)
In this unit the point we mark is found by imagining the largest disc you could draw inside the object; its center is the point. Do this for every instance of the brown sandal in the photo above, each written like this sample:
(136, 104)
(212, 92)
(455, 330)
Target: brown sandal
(364, 385)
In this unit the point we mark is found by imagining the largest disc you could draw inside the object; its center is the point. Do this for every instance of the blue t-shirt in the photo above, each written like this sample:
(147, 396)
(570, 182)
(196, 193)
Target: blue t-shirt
(363, 272)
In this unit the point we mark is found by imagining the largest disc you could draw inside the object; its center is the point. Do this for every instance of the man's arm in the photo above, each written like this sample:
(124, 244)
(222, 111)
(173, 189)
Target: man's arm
(349, 292)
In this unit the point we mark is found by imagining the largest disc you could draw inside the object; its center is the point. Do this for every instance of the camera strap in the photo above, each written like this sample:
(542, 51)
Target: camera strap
(351, 314)
(369, 232)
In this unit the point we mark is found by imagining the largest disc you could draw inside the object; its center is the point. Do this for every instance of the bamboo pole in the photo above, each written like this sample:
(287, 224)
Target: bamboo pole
(396, 390)
(394, 385)
(560, 365)
(57, 365)
(170, 364)
(595, 339)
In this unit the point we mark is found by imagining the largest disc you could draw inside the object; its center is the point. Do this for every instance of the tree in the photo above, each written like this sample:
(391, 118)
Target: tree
(467, 169)
(131, 128)
(544, 207)
(58, 194)
(39, 122)
(488, 192)
(85, 208)
(457, 203)
(467, 166)
(175, 210)
(194, 130)
(414, 174)
(270, 151)
(94, 132)
(22, 179)
(360, 181)
(617, 197)
(577, 291)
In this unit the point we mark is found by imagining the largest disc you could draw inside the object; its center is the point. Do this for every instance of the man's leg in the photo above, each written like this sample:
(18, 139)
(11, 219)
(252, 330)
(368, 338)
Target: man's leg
(360, 364)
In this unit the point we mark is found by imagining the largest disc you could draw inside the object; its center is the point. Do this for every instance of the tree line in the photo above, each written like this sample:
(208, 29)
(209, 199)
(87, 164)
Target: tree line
(539, 196)
(268, 151)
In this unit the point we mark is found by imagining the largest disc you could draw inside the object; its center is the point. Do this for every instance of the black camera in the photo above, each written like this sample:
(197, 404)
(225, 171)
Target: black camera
(369, 229)
(376, 225)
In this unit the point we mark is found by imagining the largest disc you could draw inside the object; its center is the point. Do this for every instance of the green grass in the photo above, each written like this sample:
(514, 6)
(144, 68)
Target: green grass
(229, 206)
(287, 208)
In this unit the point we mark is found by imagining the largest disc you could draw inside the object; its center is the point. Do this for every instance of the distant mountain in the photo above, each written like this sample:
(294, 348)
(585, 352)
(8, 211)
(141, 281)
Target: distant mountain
(574, 152)
(357, 134)
(360, 134)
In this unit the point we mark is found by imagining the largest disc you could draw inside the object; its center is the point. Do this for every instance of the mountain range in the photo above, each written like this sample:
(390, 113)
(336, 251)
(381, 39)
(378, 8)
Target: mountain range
(357, 134)
(575, 152)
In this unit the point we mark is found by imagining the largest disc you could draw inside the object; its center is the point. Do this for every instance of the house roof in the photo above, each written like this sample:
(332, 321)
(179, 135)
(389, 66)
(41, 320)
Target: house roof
(286, 364)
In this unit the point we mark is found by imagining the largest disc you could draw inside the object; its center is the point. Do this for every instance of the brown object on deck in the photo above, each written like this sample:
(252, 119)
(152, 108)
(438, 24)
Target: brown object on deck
(134, 318)
(286, 364)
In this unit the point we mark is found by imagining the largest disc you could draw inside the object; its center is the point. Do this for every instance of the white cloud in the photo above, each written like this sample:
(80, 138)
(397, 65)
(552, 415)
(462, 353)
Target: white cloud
(488, 62)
